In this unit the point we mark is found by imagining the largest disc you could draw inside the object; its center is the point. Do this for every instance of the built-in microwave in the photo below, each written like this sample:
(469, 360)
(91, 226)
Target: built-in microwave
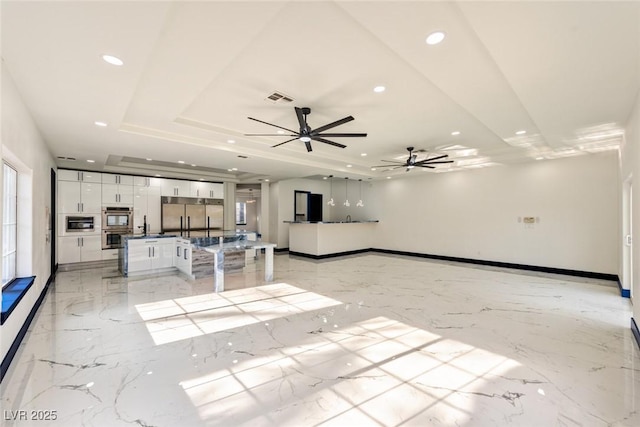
(80, 223)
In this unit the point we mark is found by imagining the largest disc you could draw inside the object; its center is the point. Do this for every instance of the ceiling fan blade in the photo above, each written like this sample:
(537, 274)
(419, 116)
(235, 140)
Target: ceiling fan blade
(425, 166)
(271, 124)
(393, 161)
(308, 145)
(326, 141)
(277, 145)
(434, 163)
(434, 158)
(332, 125)
(340, 135)
(268, 134)
(301, 121)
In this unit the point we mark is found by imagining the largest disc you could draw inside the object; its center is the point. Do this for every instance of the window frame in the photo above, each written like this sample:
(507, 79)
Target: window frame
(9, 225)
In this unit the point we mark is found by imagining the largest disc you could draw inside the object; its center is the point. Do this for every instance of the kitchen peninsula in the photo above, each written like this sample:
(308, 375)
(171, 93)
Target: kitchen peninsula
(330, 238)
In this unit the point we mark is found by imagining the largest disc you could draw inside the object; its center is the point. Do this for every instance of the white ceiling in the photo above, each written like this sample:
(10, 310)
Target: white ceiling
(566, 72)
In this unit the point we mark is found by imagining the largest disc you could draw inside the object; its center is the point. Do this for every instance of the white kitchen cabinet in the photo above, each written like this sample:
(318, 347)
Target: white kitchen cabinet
(117, 195)
(183, 256)
(112, 178)
(79, 176)
(209, 190)
(79, 197)
(176, 187)
(150, 254)
(79, 249)
(146, 202)
(145, 181)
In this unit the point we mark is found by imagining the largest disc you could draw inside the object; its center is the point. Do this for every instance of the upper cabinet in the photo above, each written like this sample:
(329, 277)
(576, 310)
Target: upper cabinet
(79, 176)
(145, 181)
(176, 187)
(117, 190)
(79, 197)
(208, 190)
(111, 178)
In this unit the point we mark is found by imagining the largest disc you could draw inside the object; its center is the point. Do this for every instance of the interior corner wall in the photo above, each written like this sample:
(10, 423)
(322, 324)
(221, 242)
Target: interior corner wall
(630, 169)
(480, 214)
(22, 139)
(284, 207)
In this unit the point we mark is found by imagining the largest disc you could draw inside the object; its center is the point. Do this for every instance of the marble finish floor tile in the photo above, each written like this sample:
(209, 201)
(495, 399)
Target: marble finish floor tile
(370, 340)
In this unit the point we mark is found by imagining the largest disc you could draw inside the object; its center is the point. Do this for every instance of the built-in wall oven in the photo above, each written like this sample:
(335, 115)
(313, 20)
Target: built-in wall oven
(116, 222)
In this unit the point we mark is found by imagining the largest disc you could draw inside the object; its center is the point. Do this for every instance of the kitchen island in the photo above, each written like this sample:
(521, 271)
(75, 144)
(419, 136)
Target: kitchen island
(196, 256)
(330, 238)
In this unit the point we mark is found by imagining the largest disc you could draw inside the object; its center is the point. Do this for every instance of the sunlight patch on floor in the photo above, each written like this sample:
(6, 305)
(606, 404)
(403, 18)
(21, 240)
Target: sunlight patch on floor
(182, 318)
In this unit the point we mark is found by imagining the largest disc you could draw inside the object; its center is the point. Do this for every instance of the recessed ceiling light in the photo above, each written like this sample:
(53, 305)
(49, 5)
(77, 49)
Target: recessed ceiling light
(231, 141)
(230, 170)
(266, 180)
(373, 169)
(324, 177)
(379, 89)
(101, 124)
(280, 132)
(539, 158)
(148, 159)
(521, 132)
(388, 177)
(234, 169)
(435, 37)
(455, 132)
(349, 166)
(113, 60)
(363, 154)
(201, 179)
(193, 165)
(181, 162)
(158, 174)
(91, 161)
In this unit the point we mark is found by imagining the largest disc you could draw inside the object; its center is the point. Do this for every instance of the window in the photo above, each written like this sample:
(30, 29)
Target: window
(241, 213)
(9, 223)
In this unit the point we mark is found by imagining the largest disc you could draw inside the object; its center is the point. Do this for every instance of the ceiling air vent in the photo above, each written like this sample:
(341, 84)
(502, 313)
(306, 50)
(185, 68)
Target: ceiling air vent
(279, 97)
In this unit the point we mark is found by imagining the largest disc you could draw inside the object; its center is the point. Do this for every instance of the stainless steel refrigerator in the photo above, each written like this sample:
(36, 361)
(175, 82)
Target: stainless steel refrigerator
(192, 216)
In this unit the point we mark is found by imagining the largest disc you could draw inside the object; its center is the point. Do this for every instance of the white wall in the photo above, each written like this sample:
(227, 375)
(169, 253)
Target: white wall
(474, 214)
(22, 142)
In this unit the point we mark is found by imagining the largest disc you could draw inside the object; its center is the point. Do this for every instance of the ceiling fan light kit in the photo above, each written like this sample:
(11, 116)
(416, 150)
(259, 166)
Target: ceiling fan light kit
(306, 134)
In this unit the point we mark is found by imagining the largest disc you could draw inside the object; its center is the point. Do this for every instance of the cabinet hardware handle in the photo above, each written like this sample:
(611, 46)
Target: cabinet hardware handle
(79, 206)
(149, 251)
(185, 253)
(177, 250)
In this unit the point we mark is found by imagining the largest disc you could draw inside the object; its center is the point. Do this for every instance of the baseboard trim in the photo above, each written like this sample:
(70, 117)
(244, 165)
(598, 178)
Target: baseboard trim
(23, 331)
(636, 331)
(279, 250)
(625, 293)
(578, 273)
(359, 251)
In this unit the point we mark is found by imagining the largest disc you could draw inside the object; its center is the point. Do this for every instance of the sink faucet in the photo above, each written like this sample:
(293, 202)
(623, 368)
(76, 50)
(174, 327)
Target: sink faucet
(348, 218)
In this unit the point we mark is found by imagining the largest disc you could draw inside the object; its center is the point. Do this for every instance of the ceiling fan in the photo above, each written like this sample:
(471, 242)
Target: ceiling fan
(306, 134)
(412, 163)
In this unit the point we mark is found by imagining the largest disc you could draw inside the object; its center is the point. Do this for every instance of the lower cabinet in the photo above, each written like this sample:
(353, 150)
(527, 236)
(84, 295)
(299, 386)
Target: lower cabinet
(183, 256)
(79, 249)
(151, 254)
